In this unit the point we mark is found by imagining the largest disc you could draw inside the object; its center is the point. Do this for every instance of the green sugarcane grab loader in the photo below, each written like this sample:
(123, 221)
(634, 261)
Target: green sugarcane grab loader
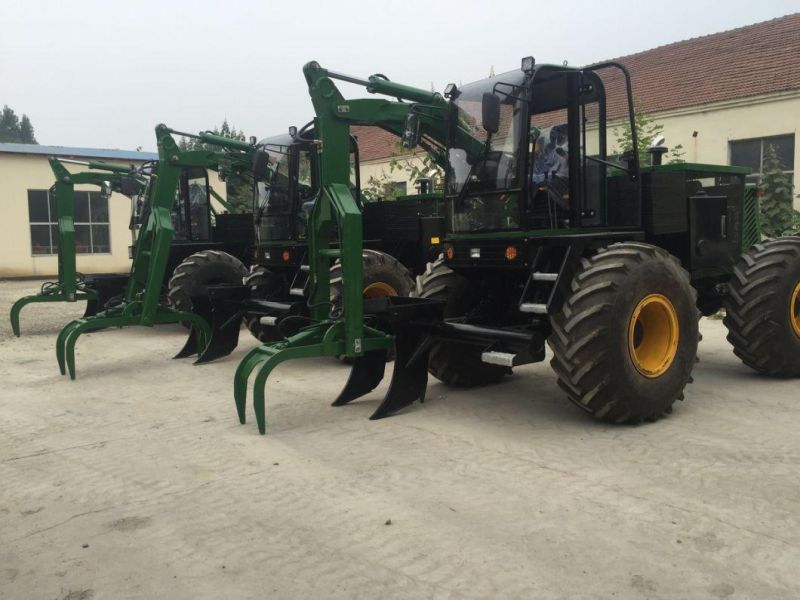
(71, 285)
(221, 244)
(400, 237)
(335, 237)
(549, 239)
(142, 301)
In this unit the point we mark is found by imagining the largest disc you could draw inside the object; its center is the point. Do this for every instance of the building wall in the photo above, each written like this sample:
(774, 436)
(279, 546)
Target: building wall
(720, 124)
(21, 172)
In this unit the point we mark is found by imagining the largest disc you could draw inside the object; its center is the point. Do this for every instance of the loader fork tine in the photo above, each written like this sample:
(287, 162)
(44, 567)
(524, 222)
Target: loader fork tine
(190, 347)
(410, 374)
(92, 306)
(367, 373)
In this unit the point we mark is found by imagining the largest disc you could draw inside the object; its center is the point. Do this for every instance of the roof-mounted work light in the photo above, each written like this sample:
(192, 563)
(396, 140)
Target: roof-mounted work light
(527, 64)
(451, 91)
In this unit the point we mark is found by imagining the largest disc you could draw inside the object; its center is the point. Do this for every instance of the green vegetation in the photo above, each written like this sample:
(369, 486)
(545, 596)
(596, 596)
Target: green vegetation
(647, 130)
(778, 216)
(14, 129)
(238, 190)
(411, 167)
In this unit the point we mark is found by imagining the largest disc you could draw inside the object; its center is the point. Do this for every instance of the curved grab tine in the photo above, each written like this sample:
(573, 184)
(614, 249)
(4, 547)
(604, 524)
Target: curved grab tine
(76, 328)
(243, 371)
(274, 357)
(70, 342)
(15, 310)
(258, 393)
(60, 346)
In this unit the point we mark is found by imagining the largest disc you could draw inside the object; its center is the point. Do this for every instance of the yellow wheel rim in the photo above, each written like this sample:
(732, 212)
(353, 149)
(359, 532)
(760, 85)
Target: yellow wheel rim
(653, 335)
(794, 309)
(379, 290)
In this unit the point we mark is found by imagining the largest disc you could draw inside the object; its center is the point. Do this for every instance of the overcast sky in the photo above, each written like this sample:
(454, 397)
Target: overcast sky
(103, 73)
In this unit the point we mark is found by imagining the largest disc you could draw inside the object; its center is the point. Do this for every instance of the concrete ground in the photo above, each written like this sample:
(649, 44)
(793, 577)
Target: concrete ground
(137, 481)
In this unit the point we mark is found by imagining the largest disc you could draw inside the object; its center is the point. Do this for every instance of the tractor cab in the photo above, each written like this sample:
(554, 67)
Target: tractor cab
(283, 200)
(541, 166)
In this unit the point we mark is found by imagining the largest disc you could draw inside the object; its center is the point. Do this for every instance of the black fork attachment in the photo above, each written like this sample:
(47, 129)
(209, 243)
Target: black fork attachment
(411, 321)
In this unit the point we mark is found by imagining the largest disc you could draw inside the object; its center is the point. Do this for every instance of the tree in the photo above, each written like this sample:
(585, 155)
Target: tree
(647, 130)
(778, 216)
(26, 130)
(14, 130)
(238, 189)
(224, 130)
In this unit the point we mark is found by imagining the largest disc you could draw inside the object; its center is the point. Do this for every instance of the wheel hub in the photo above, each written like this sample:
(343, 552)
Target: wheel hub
(378, 289)
(653, 334)
(794, 310)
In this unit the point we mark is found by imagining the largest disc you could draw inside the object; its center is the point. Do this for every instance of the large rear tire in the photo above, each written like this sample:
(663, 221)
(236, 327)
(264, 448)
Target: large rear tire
(456, 365)
(193, 276)
(763, 307)
(625, 341)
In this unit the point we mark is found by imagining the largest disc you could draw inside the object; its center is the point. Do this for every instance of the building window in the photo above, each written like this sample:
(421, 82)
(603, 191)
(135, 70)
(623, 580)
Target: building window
(750, 153)
(42, 217)
(91, 223)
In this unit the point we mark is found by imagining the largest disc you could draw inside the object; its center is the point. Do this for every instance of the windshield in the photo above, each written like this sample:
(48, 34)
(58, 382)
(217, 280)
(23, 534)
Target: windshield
(273, 204)
(482, 173)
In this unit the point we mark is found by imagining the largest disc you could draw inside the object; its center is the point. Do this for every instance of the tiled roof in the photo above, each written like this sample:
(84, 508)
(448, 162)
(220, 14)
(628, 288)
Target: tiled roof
(755, 60)
(12, 148)
(374, 142)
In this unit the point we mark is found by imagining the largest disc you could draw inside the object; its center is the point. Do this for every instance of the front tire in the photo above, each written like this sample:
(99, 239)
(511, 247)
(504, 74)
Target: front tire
(454, 364)
(263, 285)
(763, 307)
(625, 341)
(193, 276)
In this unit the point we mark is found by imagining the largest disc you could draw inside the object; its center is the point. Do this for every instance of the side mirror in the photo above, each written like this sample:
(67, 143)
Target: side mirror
(490, 112)
(260, 165)
(411, 133)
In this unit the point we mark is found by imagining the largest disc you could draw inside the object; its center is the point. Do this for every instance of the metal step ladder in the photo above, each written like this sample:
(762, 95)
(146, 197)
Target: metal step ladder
(540, 289)
(301, 278)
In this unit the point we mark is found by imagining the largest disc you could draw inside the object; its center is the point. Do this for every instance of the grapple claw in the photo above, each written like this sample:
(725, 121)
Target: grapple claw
(246, 366)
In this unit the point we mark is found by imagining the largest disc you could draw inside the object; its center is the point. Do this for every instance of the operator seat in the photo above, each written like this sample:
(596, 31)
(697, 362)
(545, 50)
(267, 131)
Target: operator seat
(550, 177)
